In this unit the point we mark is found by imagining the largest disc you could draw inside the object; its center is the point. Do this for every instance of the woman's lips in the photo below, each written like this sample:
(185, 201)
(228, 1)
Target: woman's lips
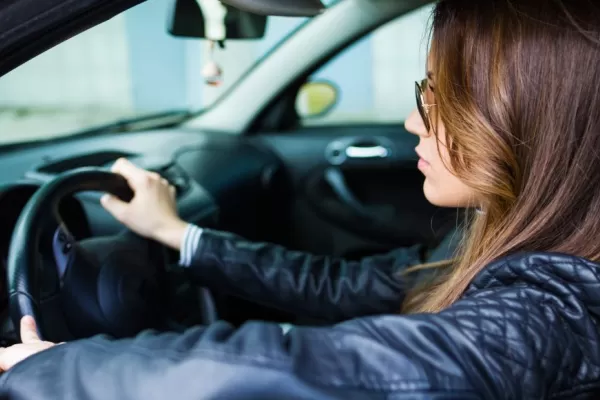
(423, 164)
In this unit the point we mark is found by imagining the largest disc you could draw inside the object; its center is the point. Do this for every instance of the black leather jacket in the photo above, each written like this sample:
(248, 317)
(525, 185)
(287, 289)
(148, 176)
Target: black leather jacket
(526, 328)
(317, 287)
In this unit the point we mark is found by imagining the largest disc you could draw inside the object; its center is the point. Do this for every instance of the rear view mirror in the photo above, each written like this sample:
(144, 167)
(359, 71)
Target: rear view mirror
(187, 19)
(286, 8)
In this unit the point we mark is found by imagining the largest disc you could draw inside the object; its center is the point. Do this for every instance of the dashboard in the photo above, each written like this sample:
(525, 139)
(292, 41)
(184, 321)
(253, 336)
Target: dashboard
(222, 181)
(215, 174)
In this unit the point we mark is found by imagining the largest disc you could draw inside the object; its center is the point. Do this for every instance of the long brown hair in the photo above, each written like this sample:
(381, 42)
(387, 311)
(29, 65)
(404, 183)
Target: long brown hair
(517, 86)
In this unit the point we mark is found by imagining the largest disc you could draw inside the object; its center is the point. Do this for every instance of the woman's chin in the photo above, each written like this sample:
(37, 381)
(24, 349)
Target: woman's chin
(449, 196)
(436, 196)
(430, 193)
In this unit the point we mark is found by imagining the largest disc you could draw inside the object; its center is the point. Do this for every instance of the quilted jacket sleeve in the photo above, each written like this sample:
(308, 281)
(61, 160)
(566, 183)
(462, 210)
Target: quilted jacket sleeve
(325, 288)
(506, 340)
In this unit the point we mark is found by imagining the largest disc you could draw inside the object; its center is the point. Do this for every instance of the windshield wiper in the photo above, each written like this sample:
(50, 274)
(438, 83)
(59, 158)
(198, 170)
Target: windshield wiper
(161, 120)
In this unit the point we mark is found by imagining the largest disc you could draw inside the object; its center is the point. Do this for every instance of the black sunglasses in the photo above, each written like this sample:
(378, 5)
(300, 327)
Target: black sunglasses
(421, 105)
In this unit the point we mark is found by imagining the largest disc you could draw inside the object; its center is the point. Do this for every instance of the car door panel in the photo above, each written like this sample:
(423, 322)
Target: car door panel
(357, 189)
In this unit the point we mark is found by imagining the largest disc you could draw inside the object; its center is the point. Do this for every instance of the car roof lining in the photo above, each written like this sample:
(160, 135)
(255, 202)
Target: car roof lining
(30, 27)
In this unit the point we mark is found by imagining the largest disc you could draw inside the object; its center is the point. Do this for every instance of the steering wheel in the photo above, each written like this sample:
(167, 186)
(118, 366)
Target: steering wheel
(111, 285)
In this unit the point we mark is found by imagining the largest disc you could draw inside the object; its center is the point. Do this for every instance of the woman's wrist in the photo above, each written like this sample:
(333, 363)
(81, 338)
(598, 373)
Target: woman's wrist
(171, 234)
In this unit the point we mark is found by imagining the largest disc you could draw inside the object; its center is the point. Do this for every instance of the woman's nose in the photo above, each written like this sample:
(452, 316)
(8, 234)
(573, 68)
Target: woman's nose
(414, 124)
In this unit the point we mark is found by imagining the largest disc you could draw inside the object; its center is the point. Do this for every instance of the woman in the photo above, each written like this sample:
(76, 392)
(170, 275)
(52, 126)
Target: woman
(509, 124)
(317, 288)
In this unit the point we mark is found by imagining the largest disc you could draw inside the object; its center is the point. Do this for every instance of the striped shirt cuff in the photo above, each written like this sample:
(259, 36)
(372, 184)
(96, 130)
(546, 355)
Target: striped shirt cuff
(189, 245)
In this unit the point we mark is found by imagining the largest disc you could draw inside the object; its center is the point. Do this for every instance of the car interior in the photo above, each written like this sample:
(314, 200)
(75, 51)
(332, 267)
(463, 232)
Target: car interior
(246, 165)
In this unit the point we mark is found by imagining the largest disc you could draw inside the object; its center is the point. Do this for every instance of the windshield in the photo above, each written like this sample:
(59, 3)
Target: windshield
(127, 67)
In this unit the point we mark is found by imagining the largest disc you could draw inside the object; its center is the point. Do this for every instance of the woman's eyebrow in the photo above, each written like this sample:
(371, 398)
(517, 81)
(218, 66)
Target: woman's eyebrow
(430, 75)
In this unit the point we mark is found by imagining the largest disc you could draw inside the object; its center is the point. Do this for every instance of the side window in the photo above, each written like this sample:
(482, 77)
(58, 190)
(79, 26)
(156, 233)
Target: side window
(371, 81)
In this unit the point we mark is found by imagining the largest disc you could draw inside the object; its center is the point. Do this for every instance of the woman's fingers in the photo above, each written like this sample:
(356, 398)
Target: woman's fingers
(134, 175)
(29, 330)
(115, 206)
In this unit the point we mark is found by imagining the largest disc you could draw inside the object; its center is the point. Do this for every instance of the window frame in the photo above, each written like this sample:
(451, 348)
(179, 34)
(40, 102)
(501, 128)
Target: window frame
(281, 116)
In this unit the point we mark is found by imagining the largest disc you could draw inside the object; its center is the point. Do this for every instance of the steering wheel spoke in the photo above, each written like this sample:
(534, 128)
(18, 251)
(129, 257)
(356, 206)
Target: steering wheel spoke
(62, 244)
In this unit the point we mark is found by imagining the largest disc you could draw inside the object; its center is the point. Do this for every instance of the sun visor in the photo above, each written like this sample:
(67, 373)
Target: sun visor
(30, 27)
(288, 8)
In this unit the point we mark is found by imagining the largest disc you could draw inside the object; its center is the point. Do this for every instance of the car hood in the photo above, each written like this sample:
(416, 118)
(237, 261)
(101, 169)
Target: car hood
(30, 27)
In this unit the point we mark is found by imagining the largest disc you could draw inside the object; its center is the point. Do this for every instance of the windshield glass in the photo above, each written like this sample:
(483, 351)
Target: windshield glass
(127, 67)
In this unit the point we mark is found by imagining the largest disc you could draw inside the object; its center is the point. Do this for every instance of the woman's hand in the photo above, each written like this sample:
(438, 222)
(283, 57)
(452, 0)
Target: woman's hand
(152, 212)
(32, 344)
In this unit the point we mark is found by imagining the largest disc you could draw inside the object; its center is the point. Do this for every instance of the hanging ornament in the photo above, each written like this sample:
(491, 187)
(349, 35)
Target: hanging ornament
(214, 18)
(212, 72)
